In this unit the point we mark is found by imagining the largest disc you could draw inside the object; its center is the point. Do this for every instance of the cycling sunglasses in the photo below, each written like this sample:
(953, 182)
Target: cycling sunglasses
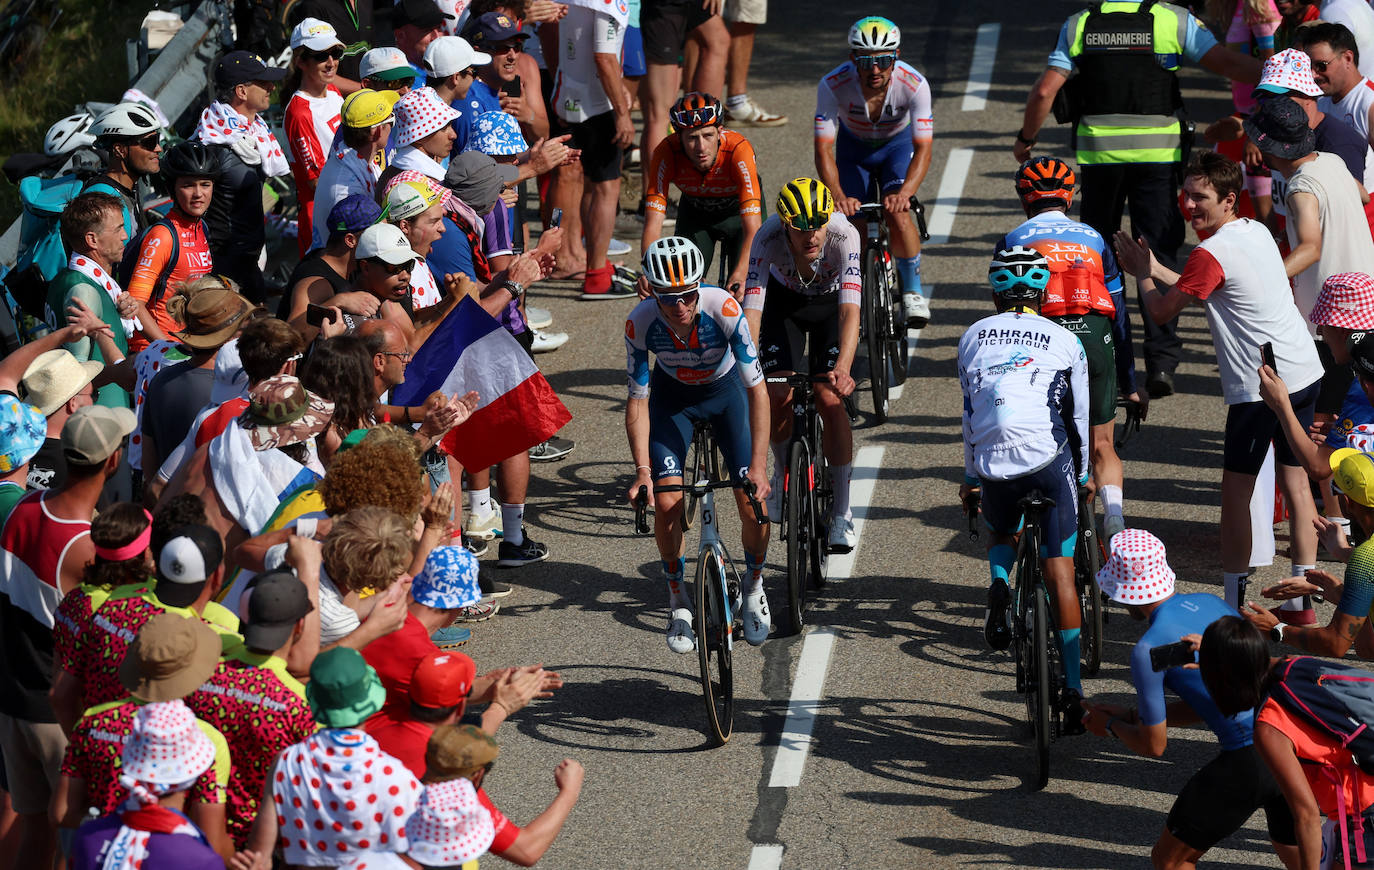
(808, 224)
(671, 300)
(336, 53)
(688, 119)
(866, 62)
(149, 142)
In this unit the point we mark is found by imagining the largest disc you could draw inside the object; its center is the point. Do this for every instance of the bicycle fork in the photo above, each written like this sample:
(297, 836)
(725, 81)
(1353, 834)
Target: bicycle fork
(710, 540)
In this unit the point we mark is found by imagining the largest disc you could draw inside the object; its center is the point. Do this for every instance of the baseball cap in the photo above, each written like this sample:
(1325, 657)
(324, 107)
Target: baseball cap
(494, 27)
(458, 751)
(95, 432)
(185, 562)
(23, 429)
(240, 67)
(1279, 127)
(387, 63)
(54, 377)
(171, 656)
(424, 14)
(1137, 572)
(449, 579)
(384, 242)
(276, 602)
(1352, 472)
(343, 689)
(1289, 70)
(365, 109)
(353, 214)
(447, 55)
(314, 34)
(442, 679)
(408, 199)
(1346, 300)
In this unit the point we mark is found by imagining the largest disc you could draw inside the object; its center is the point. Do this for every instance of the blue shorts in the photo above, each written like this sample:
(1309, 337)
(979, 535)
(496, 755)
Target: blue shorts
(858, 161)
(1252, 426)
(632, 63)
(1059, 525)
(675, 406)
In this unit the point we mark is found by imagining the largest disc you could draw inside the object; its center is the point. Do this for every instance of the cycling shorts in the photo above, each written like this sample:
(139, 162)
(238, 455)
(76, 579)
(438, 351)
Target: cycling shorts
(664, 25)
(859, 161)
(1219, 799)
(708, 226)
(675, 406)
(1094, 332)
(1251, 426)
(792, 321)
(1056, 481)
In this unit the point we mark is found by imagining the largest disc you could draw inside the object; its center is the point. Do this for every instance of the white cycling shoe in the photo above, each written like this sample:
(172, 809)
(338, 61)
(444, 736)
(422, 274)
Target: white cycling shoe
(842, 537)
(681, 639)
(756, 618)
(917, 309)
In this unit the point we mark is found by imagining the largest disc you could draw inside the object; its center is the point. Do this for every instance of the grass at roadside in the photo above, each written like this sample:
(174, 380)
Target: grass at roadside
(82, 59)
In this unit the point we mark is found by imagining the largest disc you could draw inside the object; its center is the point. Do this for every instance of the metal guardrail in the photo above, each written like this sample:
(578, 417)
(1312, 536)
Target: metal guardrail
(176, 80)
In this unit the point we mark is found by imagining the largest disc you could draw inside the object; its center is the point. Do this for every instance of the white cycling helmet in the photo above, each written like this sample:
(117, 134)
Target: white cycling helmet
(875, 33)
(67, 135)
(672, 263)
(126, 119)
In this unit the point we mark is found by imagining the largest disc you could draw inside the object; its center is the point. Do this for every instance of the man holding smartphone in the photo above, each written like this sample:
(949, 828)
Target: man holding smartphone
(1218, 799)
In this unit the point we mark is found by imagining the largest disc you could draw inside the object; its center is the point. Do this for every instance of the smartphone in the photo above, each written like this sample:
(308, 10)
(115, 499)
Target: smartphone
(511, 88)
(1267, 354)
(318, 315)
(556, 219)
(1172, 655)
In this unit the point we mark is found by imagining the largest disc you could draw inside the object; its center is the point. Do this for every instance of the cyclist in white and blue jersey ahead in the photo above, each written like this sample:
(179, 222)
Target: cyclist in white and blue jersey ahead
(707, 368)
(1025, 385)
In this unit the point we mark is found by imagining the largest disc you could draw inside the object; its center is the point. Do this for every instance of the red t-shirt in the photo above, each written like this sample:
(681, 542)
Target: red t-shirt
(406, 739)
(506, 830)
(394, 656)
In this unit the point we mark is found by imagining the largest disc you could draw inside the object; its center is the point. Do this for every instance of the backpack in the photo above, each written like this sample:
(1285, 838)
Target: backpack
(41, 252)
(1338, 701)
(125, 273)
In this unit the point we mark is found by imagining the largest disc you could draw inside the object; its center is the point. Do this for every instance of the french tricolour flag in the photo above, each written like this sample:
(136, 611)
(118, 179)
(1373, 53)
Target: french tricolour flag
(516, 407)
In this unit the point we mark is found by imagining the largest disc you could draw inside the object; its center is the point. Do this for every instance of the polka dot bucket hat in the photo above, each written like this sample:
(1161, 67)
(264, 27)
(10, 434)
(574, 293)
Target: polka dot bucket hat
(166, 746)
(449, 826)
(420, 113)
(1137, 572)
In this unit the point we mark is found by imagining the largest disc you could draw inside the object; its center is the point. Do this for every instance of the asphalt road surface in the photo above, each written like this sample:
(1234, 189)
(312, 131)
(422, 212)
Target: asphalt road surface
(919, 755)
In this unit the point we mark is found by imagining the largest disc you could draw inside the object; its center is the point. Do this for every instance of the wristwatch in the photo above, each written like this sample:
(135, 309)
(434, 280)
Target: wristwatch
(515, 288)
(1276, 633)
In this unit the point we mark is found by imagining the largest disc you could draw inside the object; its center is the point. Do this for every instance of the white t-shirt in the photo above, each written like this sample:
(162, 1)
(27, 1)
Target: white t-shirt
(1238, 273)
(583, 34)
(1346, 244)
(1356, 15)
(1353, 108)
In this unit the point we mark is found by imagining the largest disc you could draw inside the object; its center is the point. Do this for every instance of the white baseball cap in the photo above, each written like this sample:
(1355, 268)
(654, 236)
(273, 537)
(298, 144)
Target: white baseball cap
(451, 54)
(314, 34)
(384, 242)
(387, 63)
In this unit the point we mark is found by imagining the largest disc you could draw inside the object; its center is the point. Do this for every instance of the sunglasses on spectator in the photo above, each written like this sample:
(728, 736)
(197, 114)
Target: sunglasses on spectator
(149, 142)
(866, 62)
(393, 269)
(514, 45)
(336, 53)
(670, 300)
(689, 119)
(398, 84)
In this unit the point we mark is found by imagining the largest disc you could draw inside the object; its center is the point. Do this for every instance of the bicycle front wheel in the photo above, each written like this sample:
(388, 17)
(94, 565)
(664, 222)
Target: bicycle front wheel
(1038, 692)
(875, 331)
(1087, 561)
(714, 629)
(898, 345)
(698, 468)
(799, 532)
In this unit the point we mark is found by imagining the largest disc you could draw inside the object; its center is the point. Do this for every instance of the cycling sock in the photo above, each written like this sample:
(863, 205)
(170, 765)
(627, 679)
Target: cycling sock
(840, 476)
(677, 596)
(479, 503)
(673, 568)
(1232, 585)
(1000, 559)
(1111, 499)
(513, 523)
(1070, 649)
(753, 574)
(909, 273)
(734, 101)
(1302, 602)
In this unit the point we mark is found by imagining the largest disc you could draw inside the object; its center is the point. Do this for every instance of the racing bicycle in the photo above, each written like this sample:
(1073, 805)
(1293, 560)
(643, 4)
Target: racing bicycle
(1087, 560)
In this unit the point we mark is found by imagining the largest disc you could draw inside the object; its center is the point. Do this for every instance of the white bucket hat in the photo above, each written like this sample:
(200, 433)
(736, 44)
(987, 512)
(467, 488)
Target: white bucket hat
(166, 746)
(1137, 572)
(419, 113)
(450, 827)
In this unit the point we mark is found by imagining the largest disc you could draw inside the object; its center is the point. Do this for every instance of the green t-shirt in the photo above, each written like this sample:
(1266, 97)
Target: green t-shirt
(10, 493)
(70, 284)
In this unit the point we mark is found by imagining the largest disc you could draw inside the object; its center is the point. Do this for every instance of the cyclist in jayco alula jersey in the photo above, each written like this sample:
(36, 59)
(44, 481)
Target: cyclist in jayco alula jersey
(707, 368)
(1025, 385)
(873, 118)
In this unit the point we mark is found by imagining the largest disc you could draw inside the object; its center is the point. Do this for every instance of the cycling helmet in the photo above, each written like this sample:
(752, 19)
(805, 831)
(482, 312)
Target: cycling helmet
(68, 134)
(874, 33)
(189, 159)
(1045, 178)
(805, 204)
(1019, 274)
(695, 110)
(673, 263)
(131, 120)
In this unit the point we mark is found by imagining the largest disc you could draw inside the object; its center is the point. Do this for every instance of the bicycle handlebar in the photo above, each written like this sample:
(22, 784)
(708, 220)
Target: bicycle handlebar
(917, 207)
(971, 508)
(1132, 425)
(642, 511)
(703, 485)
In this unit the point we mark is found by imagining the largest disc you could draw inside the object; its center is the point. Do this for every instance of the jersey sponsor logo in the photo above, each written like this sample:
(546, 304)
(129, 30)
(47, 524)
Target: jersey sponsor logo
(1018, 361)
(695, 376)
(1058, 230)
(1013, 336)
(730, 308)
(746, 177)
(199, 261)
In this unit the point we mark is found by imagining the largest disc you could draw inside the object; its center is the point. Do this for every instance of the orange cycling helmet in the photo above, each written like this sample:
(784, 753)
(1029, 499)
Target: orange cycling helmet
(1042, 178)
(695, 110)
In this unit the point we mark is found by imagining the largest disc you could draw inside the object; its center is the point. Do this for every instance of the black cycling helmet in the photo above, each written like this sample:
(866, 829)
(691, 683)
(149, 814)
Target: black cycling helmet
(1019, 274)
(189, 159)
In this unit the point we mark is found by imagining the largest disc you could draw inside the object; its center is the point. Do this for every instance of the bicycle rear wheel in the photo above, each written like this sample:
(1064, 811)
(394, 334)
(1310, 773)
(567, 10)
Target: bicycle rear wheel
(1087, 561)
(875, 332)
(714, 640)
(1038, 692)
(798, 531)
(822, 507)
(898, 345)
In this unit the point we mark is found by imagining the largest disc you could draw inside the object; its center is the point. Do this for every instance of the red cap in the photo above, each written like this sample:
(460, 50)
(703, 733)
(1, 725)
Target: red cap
(442, 679)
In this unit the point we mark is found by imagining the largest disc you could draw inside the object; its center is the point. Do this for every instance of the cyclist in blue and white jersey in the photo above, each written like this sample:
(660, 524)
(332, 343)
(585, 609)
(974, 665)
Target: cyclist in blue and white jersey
(707, 368)
(1025, 385)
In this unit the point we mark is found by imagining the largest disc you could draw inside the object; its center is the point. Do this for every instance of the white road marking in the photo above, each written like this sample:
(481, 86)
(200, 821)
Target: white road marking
(980, 70)
(947, 199)
(868, 462)
(765, 857)
(795, 744)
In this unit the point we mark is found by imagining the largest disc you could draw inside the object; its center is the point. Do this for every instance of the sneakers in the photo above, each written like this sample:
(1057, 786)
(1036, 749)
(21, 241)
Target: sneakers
(842, 537)
(482, 529)
(621, 283)
(554, 448)
(547, 341)
(451, 638)
(538, 318)
(756, 619)
(479, 612)
(681, 639)
(491, 589)
(751, 115)
(917, 310)
(515, 555)
(996, 629)
(1071, 713)
(475, 546)
(617, 248)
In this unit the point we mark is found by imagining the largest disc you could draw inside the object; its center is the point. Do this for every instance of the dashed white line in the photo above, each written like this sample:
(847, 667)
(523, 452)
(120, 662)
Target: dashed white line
(801, 709)
(980, 70)
(868, 462)
(947, 199)
(767, 856)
